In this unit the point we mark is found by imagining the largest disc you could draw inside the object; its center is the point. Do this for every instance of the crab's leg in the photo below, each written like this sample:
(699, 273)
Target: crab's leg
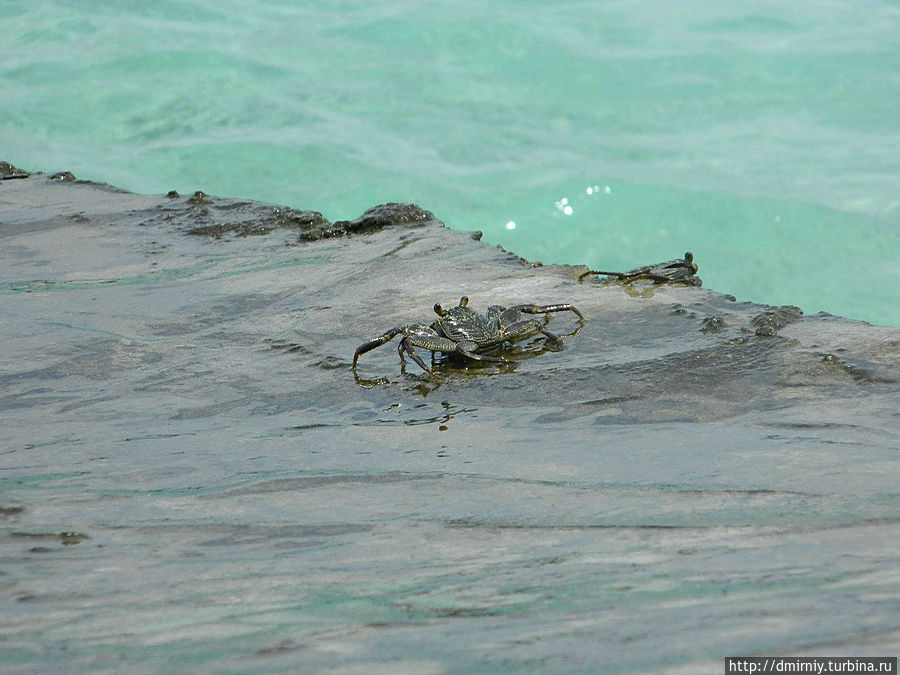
(636, 275)
(544, 309)
(552, 336)
(467, 349)
(377, 342)
(426, 338)
(406, 346)
(619, 275)
(559, 307)
(526, 328)
(633, 276)
(522, 329)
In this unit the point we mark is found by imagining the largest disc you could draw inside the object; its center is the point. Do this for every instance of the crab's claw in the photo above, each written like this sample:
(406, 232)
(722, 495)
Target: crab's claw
(377, 342)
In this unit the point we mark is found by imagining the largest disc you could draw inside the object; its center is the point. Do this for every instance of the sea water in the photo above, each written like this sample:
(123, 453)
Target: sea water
(762, 136)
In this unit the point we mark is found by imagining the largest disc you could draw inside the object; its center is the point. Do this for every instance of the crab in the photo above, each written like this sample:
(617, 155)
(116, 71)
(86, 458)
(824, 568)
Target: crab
(461, 330)
(679, 271)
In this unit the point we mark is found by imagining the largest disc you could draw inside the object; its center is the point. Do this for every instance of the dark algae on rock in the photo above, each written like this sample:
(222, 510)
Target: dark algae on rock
(769, 322)
(374, 219)
(689, 477)
(226, 218)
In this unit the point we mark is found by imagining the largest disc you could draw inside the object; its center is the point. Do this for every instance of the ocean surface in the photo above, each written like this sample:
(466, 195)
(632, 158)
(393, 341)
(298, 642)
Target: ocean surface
(762, 136)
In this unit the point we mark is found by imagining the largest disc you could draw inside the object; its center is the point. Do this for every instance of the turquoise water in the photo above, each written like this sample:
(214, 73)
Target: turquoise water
(764, 137)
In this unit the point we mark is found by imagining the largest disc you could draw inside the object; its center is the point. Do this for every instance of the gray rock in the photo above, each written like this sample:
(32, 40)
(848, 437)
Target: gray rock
(690, 477)
(8, 171)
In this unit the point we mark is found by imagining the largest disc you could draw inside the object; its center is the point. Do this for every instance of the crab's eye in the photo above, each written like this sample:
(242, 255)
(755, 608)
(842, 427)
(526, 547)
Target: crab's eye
(439, 310)
(463, 301)
(688, 257)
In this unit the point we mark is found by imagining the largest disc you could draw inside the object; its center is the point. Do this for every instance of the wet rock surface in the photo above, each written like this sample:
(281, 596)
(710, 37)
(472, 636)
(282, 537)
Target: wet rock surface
(688, 477)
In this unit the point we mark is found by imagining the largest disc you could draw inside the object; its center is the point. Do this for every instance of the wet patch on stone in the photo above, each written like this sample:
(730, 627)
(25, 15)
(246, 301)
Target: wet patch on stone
(65, 538)
(312, 482)
(296, 536)
(859, 372)
(287, 346)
